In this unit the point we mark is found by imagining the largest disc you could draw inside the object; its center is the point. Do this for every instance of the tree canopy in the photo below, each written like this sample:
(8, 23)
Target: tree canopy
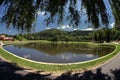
(21, 14)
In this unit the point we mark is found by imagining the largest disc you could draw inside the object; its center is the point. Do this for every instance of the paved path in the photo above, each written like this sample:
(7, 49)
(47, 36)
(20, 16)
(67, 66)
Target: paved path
(15, 73)
(112, 65)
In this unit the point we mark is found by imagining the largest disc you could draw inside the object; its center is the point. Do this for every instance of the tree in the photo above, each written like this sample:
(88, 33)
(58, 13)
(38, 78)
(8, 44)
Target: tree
(105, 34)
(116, 9)
(55, 39)
(19, 37)
(21, 14)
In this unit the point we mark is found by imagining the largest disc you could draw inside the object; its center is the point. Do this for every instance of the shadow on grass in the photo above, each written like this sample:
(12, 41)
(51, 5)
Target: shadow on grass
(8, 72)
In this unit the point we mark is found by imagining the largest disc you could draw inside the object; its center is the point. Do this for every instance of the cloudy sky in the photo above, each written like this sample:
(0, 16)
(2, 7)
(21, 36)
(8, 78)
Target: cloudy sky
(40, 24)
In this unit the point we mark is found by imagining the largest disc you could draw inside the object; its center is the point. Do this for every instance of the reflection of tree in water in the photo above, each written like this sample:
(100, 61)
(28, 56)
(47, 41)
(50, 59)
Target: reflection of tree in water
(56, 48)
(8, 72)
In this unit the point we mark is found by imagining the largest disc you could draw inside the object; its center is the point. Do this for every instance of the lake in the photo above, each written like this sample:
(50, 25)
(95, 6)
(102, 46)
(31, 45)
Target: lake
(59, 53)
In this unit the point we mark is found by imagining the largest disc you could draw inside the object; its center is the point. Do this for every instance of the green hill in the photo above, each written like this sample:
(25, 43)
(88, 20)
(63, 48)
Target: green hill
(58, 35)
(53, 32)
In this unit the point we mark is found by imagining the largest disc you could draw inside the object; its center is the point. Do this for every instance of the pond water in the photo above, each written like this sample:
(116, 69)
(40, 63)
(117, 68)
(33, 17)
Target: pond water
(59, 53)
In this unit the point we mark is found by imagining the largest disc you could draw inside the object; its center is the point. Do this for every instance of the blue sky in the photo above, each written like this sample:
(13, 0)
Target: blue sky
(40, 24)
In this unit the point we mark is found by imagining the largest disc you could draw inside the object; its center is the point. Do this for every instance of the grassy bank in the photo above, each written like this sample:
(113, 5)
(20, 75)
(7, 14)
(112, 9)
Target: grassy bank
(52, 67)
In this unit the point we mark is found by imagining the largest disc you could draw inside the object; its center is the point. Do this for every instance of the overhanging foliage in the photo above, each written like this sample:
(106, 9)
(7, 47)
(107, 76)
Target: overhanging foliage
(21, 14)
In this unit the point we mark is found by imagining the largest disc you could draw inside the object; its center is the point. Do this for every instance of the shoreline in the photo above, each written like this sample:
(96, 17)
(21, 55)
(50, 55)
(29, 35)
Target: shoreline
(73, 66)
(54, 75)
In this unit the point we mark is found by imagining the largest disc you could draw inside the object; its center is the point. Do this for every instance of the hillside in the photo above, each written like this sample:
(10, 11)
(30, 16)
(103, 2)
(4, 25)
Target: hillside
(54, 32)
(58, 35)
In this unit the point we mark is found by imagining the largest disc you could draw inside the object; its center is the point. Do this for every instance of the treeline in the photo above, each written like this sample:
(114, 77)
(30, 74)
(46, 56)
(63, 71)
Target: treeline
(56, 35)
(106, 34)
(101, 35)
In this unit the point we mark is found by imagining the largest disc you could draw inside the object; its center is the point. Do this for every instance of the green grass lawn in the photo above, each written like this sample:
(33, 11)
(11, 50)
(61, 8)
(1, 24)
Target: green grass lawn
(56, 67)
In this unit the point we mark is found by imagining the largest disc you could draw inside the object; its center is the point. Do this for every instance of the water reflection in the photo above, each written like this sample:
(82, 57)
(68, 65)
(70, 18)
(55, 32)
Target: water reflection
(59, 53)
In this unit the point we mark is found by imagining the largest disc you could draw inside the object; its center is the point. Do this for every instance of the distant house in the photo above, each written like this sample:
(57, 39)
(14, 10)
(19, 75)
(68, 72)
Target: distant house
(9, 39)
(4, 38)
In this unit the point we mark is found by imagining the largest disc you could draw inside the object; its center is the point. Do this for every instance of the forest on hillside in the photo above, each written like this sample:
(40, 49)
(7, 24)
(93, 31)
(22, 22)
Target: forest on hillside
(55, 35)
(101, 35)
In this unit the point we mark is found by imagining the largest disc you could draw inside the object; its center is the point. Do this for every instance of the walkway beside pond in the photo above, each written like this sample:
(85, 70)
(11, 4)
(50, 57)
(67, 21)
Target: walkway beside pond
(112, 65)
(109, 71)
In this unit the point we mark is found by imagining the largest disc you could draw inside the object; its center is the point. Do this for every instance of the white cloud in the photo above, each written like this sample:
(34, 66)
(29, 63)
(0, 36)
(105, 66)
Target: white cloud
(112, 24)
(40, 13)
(65, 27)
(88, 29)
(48, 28)
(75, 29)
(58, 27)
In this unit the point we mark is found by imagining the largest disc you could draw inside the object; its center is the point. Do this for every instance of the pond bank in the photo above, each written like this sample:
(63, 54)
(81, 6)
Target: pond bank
(61, 53)
(15, 73)
(61, 68)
